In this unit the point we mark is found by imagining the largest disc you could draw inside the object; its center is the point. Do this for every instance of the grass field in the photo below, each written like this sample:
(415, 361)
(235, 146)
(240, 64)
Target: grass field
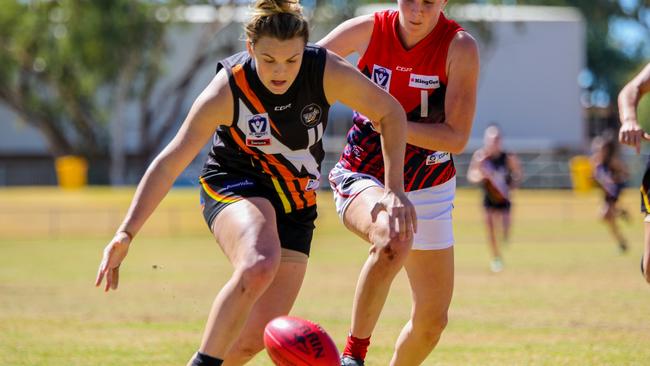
(566, 297)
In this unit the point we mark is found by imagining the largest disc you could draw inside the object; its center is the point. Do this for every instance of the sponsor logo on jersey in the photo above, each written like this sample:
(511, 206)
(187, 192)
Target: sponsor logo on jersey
(381, 76)
(311, 114)
(357, 151)
(438, 157)
(258, 133)
(424, 81)
(312, 184)
(238, 184)
(403, 68)
(279, 108)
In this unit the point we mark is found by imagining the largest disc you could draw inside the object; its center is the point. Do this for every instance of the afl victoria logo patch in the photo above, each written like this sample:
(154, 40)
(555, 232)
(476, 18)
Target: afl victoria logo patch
(381, 76)
(258, 133)
(311, 114)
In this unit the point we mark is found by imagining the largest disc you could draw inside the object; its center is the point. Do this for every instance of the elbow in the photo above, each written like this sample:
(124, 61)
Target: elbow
(459, 145)
(164, 167)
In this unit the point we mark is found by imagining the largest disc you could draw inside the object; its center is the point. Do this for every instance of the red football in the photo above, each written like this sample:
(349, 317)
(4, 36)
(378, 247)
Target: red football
(292, 341)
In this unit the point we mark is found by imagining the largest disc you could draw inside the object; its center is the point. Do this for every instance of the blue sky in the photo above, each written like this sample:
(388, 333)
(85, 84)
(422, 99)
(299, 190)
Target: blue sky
(630, 35)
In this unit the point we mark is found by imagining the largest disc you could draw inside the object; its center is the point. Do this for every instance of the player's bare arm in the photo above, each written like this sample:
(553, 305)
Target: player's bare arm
(363, 95)
(628, 99)
(351, 36)
(460, 101)
(474, 174)
(214, 106)
(514, 164)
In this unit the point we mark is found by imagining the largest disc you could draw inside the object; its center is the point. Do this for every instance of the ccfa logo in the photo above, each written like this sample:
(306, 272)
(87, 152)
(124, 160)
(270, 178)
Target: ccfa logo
(311, 114)
(381, 76)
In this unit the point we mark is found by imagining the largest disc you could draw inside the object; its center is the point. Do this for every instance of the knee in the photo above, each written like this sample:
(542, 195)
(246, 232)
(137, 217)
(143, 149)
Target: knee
(258, 274)
(397, 249)
(394, 252)
(431, 330)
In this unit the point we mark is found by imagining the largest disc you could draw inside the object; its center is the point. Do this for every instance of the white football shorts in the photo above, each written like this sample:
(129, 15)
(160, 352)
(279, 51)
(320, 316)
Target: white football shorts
(432, 205)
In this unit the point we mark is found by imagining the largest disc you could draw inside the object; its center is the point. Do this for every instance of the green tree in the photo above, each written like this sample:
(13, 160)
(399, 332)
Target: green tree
(610, 64)
(56, 56)
(69, 68)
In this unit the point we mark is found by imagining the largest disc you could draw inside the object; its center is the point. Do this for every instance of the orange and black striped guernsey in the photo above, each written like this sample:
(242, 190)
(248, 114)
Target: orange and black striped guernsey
(276, 140)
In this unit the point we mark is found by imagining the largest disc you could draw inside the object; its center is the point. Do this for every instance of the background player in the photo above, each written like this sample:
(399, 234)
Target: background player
(632, 134)
(498, 172)
(611, 174)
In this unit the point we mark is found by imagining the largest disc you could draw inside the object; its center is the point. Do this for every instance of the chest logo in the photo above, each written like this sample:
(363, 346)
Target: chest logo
(280, 108)
(258, 133)
(381, 76)
(424, 81)
(312, 184)
(311, 115)
(438, 157)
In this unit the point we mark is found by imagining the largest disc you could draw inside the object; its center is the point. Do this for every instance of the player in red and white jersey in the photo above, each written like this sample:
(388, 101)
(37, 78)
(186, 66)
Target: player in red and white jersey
(266, 109)
(430, 64)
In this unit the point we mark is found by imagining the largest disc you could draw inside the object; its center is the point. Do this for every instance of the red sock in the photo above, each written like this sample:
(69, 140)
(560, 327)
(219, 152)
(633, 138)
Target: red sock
(356, 347)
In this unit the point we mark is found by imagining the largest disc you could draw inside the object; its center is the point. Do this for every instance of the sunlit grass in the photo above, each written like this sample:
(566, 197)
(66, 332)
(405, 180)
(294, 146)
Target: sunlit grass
(565, 298)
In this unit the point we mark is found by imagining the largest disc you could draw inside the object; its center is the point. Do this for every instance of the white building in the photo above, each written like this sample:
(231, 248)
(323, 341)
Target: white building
(530, 61)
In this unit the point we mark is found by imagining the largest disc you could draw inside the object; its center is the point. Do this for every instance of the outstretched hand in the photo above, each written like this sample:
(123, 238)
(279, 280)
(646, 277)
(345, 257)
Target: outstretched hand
(114, 254)
(631, 134)
(402, 218)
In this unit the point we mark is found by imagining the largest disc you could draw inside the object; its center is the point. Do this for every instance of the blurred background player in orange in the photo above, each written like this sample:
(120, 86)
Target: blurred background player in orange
(632, 134)
(498, 172)
(431, 65)
(266, 110)
(611, 174)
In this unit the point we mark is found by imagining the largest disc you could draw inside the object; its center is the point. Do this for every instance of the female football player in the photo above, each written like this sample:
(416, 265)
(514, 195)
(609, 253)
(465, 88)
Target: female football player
(266, 109)
(430, 64)
(632, 134)
(498, 172)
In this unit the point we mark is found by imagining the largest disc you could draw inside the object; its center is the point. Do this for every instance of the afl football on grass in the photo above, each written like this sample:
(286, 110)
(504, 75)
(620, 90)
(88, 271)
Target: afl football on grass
(293, 341)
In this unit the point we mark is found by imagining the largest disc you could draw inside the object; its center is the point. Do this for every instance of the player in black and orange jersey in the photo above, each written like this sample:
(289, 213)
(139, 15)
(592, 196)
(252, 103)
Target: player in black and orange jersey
(611, 175)
(632, 134)
(430, 64)
(269, 108)
(498, 172)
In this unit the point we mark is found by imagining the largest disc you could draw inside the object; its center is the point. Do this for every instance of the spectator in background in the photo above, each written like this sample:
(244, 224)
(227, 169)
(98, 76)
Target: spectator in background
(631, 134)
(611, 174)
(498, 172)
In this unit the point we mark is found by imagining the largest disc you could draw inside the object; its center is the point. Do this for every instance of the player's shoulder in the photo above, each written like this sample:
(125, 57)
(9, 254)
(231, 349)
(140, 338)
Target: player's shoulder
(478, 154)
(463, 42)
(360, 27)
(362, 21)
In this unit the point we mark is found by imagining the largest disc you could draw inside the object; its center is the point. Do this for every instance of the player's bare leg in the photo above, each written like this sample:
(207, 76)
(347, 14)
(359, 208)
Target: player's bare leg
(252, 245)
(645, 262)
(506, 222)
(609, 216)
(385, 259)
(491, 218)
(276, 301)
(431, 275)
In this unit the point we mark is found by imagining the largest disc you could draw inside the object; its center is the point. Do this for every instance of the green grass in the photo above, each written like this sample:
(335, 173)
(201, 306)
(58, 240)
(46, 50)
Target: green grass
(565, 298)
